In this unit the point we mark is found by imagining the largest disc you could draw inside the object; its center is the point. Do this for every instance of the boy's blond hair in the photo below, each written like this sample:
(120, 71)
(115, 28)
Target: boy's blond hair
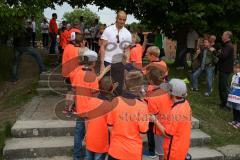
(138, 39)
(154, 51)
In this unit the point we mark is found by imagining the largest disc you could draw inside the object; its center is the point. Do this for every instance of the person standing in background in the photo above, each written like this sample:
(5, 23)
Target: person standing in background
(82, 24)
(33, 31)
(29, 32)
(44, 30)
(226, 58)
(192, 41)
(158, 41)
(53, 31)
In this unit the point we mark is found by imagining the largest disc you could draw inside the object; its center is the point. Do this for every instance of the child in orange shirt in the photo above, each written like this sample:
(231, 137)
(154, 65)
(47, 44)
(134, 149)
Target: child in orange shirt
(85, 82)
(136, 52)
(97, 134)
(159, 104)
(177, 127)
(128, 120)
(70, 62)
(153, 53)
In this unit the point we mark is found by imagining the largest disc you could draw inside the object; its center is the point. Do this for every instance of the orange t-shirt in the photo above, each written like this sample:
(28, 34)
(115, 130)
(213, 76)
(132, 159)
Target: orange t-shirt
(70, 60)
(178, 127)
(136, 55)
(64, 38)
(128, 119)
(86, 84)
(159, 104)
(97, 135)
(159, 64)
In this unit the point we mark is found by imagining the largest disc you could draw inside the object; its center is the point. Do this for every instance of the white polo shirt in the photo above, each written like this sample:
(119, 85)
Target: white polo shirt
(114, 51)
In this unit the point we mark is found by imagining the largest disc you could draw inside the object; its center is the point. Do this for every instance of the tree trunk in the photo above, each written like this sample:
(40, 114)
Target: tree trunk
(181, 38)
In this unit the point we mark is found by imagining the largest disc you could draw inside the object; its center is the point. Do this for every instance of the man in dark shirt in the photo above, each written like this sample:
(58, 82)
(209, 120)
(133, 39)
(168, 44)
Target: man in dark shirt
(22, 46)
(226, 58)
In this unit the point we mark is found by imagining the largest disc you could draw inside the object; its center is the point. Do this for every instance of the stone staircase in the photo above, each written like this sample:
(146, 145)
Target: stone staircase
(52, 139)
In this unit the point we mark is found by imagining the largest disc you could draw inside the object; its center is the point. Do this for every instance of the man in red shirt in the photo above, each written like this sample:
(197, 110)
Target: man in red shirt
(53, 31)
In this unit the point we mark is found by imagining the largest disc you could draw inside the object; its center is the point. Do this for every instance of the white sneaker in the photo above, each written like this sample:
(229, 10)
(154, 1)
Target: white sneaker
(207, 94)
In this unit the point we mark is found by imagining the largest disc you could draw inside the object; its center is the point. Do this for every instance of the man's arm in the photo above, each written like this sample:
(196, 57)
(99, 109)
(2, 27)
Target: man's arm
(102, 53)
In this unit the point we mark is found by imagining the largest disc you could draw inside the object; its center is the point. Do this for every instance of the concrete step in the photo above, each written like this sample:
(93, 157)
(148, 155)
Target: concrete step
(49, 158)
(51, 76)
(198, 138)
(196, 152)
(17, 148)
(195, 123)
(203, 153)
(200, 153)
(51, 83)
(52, 91)
(45, 128)
(37, 128)
(26, 148)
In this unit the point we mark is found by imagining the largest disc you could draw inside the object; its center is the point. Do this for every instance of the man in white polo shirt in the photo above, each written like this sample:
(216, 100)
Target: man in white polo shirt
(115, 40)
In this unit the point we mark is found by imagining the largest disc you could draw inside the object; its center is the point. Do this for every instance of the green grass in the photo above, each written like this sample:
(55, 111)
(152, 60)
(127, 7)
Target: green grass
(213, 121)
(19, 97)
(4, 133)
(10, 104)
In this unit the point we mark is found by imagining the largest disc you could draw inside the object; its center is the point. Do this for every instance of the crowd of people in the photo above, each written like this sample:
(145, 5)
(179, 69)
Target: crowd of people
(114, 100)
(117, 100)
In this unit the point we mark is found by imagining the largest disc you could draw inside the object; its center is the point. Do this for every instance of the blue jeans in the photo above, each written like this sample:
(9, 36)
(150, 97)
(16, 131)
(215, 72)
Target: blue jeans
(209, 75)
(78, 151)
(95, 156)
(18, 52)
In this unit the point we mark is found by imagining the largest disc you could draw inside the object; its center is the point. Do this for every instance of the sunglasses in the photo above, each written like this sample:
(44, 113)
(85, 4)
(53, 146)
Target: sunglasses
(117, 36)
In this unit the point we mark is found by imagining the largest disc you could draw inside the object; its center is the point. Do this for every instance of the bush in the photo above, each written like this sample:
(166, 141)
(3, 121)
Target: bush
(6, 61)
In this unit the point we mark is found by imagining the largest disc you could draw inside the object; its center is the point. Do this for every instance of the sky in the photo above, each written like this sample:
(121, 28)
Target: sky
(106, 15)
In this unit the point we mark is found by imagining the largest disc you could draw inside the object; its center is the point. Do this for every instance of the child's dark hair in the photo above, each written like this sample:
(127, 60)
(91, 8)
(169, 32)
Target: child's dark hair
(133, 79)
(155, 75)
(84, 60)
(79, 37)
(106, 85)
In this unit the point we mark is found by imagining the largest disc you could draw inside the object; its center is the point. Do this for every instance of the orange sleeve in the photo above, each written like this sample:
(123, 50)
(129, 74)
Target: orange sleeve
(133, 56)
(144, 121)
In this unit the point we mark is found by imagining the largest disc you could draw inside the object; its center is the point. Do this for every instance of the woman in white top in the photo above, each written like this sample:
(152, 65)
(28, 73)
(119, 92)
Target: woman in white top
(44, 31)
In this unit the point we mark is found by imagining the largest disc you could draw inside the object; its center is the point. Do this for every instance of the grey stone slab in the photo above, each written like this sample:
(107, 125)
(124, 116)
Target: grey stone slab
(43, 128)
(37, 147)
(231, 152)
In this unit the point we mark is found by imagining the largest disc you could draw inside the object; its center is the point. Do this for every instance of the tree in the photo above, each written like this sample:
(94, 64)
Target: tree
(173, 16)
(14, 14)
(88, 15)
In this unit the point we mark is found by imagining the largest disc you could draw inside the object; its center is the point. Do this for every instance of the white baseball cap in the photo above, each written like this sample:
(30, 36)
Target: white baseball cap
(178, 88)
(92, 55)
